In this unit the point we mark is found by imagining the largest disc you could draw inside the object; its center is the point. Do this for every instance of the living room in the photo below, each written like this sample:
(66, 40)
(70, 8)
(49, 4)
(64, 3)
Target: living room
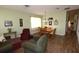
(15, 15)
(15, 18)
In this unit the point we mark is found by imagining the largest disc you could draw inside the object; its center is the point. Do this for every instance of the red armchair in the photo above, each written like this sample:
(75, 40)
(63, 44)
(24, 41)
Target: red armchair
(26, 35)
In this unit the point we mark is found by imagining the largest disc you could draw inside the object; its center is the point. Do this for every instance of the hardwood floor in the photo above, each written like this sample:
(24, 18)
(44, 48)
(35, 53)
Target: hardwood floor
(63, 44)
(71, 43)
(55, 44)
(60, 44)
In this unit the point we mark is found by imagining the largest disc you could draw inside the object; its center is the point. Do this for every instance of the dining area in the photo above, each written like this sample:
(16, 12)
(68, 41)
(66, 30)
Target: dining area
(48, 31)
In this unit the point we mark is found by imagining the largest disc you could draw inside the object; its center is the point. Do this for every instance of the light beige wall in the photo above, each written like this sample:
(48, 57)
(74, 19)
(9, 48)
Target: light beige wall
(14, 16)
(8, 14)
(61, 17)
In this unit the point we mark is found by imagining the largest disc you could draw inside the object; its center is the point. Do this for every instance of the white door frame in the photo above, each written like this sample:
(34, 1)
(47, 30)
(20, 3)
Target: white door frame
(78, 30)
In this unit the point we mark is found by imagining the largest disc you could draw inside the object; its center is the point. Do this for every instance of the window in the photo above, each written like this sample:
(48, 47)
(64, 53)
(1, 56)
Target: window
(35, 22)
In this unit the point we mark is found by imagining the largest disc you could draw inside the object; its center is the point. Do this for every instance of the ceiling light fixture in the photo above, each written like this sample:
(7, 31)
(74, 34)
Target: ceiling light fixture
(67, 8)
(27, 5)
(57, 8)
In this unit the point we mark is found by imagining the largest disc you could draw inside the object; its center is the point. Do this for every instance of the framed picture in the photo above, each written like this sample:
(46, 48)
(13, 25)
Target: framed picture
(56, 22)
(21, 22)
(50, 22)
(8, 23)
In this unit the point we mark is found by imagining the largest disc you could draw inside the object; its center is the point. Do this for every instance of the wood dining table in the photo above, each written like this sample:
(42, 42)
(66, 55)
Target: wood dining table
(46, 30)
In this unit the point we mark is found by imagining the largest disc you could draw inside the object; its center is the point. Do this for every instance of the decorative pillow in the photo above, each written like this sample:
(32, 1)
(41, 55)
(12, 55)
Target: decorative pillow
(2, 38)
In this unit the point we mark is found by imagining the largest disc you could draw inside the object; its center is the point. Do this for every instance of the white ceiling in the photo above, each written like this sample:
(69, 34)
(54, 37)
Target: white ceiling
(40, 9)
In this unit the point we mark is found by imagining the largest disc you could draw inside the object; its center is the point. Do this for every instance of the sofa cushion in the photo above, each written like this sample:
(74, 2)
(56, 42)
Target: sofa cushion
(36, 45)
(29, 45)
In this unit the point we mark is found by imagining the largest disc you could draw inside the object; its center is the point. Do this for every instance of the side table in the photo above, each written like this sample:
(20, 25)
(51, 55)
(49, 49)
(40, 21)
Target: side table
(11, 34)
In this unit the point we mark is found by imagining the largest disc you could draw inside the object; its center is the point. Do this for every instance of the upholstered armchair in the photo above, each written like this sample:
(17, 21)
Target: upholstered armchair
(26, 35)
(36, 45)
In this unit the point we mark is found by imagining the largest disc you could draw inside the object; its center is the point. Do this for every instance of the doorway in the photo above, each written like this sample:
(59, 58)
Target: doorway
(71, 22)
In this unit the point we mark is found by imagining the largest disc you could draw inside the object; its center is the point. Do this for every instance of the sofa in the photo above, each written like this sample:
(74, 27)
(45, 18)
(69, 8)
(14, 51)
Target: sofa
(10, 46)
(36, 45)
(6, 48)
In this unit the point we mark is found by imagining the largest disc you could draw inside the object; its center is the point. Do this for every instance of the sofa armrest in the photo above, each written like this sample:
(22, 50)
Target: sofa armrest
(7, 48)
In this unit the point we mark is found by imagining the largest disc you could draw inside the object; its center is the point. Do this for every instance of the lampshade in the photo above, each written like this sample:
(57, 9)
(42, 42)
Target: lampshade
(50, 18)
